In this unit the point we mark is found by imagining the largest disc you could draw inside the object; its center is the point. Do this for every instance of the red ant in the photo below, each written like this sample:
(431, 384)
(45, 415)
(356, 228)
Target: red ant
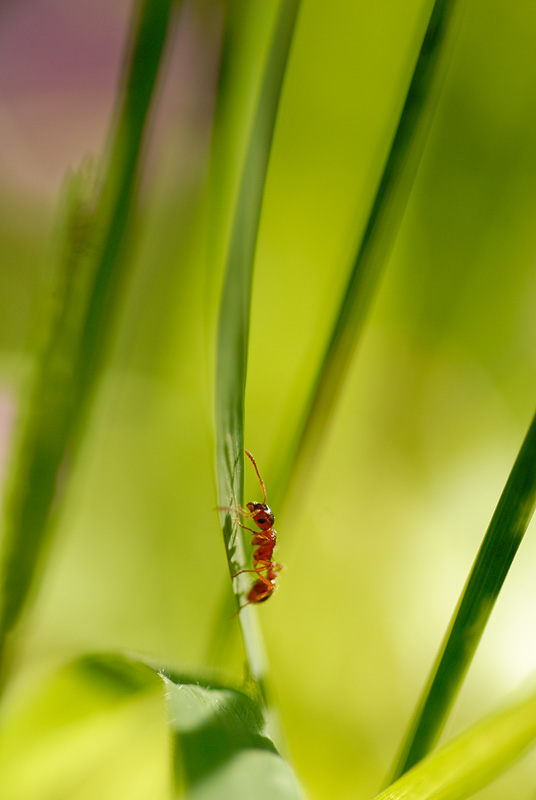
(264, 540)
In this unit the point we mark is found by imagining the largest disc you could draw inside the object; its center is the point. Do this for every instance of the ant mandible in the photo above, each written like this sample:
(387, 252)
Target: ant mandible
(264, 540)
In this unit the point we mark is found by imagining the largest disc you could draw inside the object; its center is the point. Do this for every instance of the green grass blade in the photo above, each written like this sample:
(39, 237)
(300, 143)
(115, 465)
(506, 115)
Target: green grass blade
(498, 549)
(120, 187)
(95, 270)
(221, 749)
(233, 331)
(471, 760)
(43, 442)
(376, 243)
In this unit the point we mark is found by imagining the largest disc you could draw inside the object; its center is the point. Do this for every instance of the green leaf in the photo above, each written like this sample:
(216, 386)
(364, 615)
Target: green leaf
(97, 727)
(233, 331)
(471, 760)
(221, 749)
(498, 549)
(94, 272)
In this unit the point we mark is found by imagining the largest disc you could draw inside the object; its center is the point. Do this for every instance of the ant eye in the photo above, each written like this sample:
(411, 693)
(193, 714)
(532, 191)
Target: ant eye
(261, 520)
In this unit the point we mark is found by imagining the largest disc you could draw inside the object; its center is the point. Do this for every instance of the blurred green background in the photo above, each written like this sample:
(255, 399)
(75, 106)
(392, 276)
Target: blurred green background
(433, 412)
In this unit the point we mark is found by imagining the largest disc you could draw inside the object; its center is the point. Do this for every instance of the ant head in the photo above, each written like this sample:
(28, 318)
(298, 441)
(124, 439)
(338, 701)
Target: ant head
(262, 515)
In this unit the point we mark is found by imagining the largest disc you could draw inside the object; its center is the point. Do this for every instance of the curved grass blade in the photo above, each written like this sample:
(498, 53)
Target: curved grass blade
(95, 269)
(221, 749)
(471, 760)
(233, 331)
(498, 549)
(375, 245)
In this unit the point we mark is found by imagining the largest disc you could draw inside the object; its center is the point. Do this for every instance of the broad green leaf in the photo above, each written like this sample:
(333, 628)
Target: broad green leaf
(471, 760)
(375, 244)
(94, 272)
(97, 727)
(221, 748)
(499, 547)
(233, 331)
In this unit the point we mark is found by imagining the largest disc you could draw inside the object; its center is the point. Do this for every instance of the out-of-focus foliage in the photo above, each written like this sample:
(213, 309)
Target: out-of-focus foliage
(428, 425)
(499, 548)
(87, 291)
(469, 761)
(94, 728)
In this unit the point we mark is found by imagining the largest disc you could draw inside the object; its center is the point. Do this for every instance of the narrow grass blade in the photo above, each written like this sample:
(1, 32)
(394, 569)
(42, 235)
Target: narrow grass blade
(498, 549)
(233, 331)
(119, 196)
(375, 245)
(94, 275)
(221, 749)
(471, 760)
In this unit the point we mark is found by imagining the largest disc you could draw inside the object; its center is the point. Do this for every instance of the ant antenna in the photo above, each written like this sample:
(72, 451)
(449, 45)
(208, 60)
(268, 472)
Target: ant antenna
(258, 475)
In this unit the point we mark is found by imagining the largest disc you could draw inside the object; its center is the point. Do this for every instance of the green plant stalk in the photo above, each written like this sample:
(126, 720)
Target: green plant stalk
(68, 374)
(233, 330)
(470, 761)
(499, 547)
(373, 249)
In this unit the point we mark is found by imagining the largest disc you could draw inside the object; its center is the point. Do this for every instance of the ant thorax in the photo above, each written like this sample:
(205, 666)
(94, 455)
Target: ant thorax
(262, 515)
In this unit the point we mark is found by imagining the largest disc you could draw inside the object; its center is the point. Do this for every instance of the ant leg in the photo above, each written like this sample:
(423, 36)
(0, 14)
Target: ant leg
(237, 520)
(239, 510)
(257, 570)
(241, 572)
(245, 527)
(269, 585)
(239, 609)
(258, 599)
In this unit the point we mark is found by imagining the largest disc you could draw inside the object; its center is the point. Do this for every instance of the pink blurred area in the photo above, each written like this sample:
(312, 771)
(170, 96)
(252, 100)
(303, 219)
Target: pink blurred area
(7, 424)
(59, 67)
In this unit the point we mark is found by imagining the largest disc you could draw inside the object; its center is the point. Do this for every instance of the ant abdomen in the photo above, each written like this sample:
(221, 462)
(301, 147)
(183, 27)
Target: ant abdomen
(260, 591)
